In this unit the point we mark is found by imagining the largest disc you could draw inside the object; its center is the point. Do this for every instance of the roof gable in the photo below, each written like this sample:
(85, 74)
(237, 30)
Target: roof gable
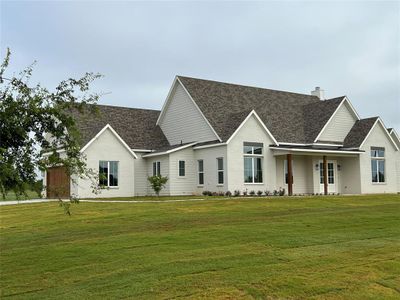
(290, 117)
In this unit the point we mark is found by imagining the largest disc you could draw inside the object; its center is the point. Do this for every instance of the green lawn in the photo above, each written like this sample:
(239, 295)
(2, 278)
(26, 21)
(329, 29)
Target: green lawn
(12, 196)
(275, 248)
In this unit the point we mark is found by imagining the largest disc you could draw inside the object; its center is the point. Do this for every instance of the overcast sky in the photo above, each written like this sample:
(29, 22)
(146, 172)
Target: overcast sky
(346, 48)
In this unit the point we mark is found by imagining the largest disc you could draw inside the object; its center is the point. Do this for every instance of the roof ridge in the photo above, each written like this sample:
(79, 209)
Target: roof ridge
(134, 108)
(249, 86)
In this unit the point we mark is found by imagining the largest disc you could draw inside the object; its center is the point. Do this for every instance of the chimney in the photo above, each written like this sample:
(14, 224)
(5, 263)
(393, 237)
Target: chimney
(318, 92)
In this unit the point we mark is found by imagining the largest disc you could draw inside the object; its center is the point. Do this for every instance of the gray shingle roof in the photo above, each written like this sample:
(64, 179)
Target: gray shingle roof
(137, 127)
(358, 132)
(291, 117)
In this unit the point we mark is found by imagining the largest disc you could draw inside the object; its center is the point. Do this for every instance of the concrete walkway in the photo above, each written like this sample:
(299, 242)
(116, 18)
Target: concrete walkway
(32, 201)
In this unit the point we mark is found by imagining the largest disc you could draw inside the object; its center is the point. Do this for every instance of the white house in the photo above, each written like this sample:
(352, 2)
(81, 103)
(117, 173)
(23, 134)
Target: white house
(222, 137)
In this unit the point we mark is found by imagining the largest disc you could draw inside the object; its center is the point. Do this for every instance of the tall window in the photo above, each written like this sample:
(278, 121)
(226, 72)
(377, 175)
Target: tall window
(181, 168)
(220, 170)
(331, 173)
(200, 168)
(253, 153)
(108, 173)
(286, 171)
(378, 164)
(156, 168)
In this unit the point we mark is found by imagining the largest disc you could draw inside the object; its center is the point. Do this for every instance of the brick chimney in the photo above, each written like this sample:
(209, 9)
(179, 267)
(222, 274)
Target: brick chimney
(318, 92)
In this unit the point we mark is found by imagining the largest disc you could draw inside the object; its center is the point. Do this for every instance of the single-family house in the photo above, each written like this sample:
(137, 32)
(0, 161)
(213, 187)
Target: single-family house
(223, 137)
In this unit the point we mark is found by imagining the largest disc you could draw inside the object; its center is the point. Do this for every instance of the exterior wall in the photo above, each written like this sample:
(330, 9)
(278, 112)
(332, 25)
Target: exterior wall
(107, 147)
(209, 157)
(182, 185)
(302, 174)
(397, 141)
(182, 120)
(378, 138)
(141, 183)
(349, 175)
(340, 125)
(251, 132)
(164, 170)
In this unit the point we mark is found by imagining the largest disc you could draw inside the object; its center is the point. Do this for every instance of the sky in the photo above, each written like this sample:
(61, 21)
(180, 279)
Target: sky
(346, 48)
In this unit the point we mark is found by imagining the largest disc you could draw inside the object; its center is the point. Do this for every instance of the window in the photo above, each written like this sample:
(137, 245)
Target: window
(286, 172)
(108, 173)
(181, 168)
(157, 168)
(331, 173)
(378, 164)
(253, 162)
(200, 168)
(321, 173)
(220, 168)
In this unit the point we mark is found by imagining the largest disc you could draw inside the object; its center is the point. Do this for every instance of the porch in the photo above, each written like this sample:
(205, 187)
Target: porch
(317, 171)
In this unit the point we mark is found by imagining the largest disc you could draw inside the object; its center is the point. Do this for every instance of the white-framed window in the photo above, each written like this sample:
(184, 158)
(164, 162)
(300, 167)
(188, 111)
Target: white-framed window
(220, 170)
(156, 168)
(108, 173)
(181, 168)
(378, 164)
(200, 170)
(286, 171)
(253, 159)
(331, 173)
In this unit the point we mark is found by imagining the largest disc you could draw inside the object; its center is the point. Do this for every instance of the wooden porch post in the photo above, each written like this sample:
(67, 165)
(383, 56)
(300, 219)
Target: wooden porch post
(325, 175)
(290, 174)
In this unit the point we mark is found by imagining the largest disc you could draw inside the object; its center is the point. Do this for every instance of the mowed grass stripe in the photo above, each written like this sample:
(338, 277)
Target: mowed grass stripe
(277, 247)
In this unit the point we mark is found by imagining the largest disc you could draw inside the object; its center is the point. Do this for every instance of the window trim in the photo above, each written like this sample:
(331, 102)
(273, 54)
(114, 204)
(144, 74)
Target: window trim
(200, 172)
(157, 168)
(220, 171)
(376, 160)
(253, 157)
(179, 169)
(108, 174)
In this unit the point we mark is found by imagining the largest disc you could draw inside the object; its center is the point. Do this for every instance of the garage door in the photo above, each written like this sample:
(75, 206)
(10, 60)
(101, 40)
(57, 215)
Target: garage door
(58, 183)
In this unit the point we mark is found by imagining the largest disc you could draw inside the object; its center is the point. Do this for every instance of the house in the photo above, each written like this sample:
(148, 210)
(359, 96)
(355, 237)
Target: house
(222, 137)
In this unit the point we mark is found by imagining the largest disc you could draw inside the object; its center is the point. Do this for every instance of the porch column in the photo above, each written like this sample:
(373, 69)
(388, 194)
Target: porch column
(325, 175)
(290, 174)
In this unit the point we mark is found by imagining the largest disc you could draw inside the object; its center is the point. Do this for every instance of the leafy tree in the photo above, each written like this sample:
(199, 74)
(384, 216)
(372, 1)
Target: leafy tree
(34, 120)
(157, 183)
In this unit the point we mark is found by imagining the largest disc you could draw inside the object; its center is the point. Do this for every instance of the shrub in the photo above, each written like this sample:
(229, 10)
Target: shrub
(281, 192)
(157, 183)
(221, 194)
(259, 193)
(207, 193)
(228, 194)
(267, 193)
(214, 194)
(252, 193)
(245, 193)
(276, 193)
(236, 193)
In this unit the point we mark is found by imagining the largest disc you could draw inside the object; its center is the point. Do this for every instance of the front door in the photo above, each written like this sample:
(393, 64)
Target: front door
(332, 168)
(58, 183)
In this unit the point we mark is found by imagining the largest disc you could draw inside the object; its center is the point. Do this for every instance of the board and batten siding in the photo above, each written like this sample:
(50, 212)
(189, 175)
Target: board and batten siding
(252, 132)
(182, 120)
(340, 125)
(378, 138)
(108, 148)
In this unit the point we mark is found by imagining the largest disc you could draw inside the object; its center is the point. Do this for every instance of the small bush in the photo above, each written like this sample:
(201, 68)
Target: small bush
(281, 192)
(245, 193)
(221, 194)
(228, 194)
(214, 194)
(207, 193)
(276, 193)
(236, 193)
(267, 193)
(259, 193)
(252, 193)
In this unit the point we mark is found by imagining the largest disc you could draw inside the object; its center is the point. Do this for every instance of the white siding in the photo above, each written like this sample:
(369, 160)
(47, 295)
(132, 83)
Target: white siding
(182, 120)
(378, 138)
(164, 170)
(340, 125)
(251, 131)
(185, 185)
(141, 183)
(107, 147)
(349, 175)
(209, 157)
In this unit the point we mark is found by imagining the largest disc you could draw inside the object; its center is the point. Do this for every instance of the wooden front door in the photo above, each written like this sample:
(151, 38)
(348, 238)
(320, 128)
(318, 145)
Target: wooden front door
(58, 183)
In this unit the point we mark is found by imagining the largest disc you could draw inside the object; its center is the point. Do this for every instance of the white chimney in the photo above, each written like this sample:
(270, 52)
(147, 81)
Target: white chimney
(318, 92)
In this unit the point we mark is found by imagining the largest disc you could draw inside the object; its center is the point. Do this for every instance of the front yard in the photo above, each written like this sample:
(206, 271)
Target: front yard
(307, 248)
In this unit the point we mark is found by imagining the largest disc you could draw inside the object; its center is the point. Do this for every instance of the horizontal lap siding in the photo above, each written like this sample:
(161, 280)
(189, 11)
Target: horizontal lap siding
(164, 160)
(185, 185)
(338, 128)
(141, 182)
(182, 120)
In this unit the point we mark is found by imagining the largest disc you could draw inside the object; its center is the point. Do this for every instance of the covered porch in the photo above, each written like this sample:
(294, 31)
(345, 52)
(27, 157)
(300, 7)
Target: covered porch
(309, 170)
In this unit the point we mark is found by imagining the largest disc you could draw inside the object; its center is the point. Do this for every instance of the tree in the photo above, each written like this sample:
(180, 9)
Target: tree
(29, 115)
(157, 183)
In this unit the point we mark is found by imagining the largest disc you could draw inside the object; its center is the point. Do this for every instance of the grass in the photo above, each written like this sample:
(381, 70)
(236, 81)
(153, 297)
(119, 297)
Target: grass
(275, 248)
(29, 195)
